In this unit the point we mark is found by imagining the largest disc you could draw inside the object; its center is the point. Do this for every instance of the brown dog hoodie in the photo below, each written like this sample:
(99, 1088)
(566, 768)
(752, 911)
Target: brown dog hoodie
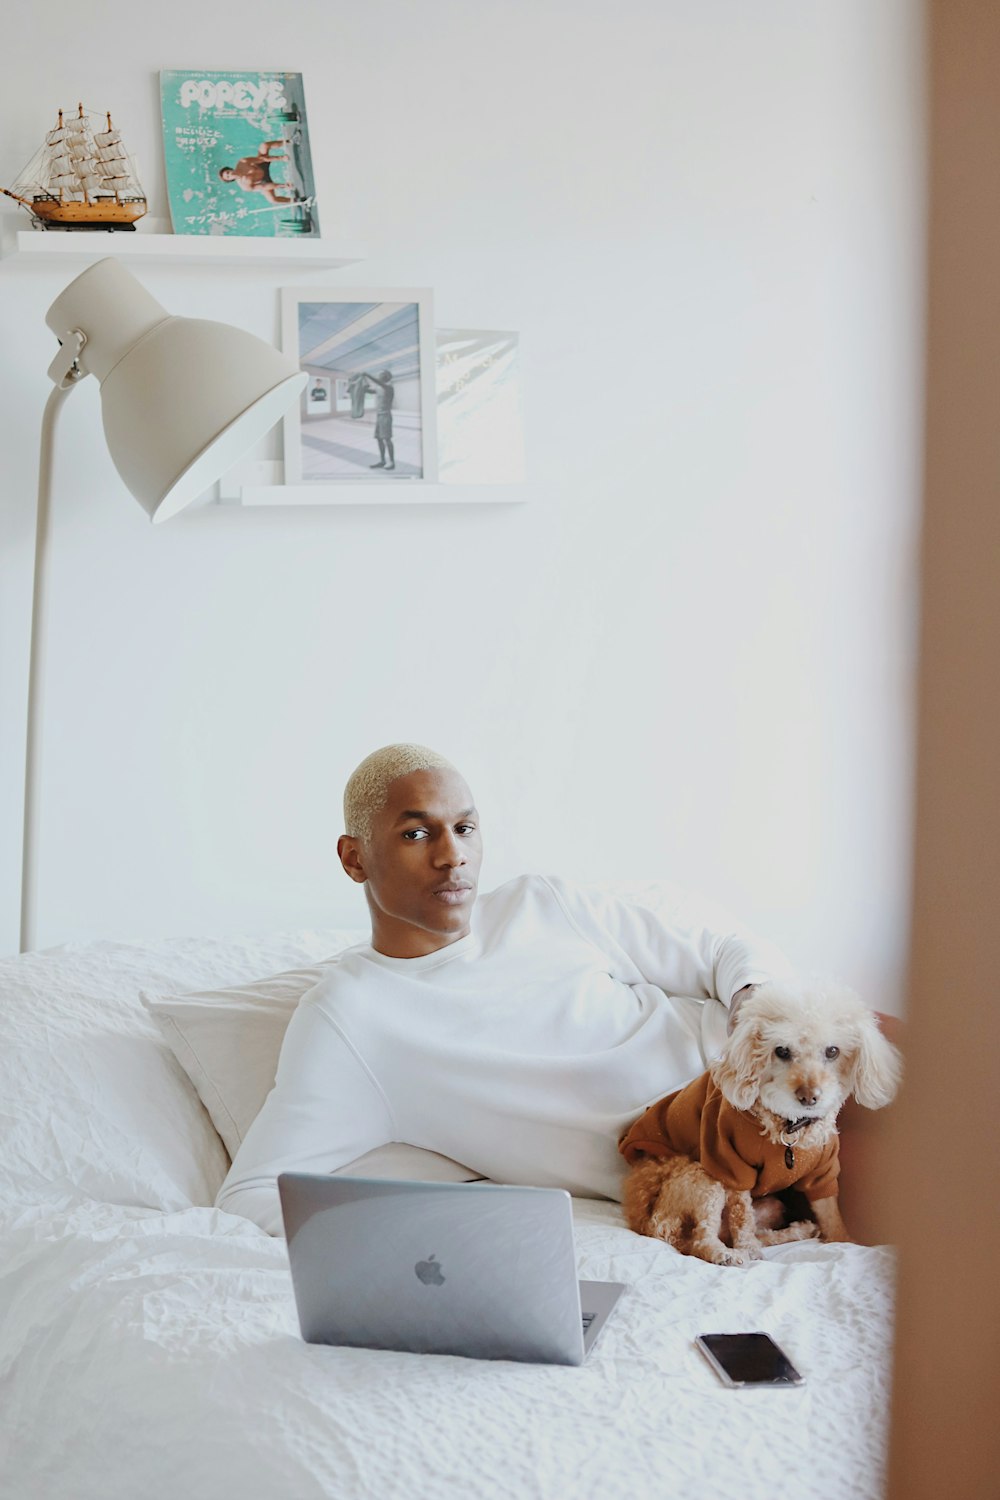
(698, 1122)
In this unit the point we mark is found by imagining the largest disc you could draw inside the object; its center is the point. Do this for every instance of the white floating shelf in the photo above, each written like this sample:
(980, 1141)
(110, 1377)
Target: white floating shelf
(33, 248)
(416, 492)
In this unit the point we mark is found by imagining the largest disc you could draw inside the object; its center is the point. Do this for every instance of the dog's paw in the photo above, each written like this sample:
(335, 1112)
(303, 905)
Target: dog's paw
(734, 1258)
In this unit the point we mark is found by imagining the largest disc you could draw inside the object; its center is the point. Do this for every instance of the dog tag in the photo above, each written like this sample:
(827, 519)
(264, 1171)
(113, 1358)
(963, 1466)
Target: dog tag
(789, 1158)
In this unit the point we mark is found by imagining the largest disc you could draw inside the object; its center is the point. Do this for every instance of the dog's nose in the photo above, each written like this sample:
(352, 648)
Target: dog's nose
(806, 1096)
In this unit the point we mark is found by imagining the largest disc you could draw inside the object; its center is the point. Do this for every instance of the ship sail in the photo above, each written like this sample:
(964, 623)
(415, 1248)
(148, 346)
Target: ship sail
(81, 178)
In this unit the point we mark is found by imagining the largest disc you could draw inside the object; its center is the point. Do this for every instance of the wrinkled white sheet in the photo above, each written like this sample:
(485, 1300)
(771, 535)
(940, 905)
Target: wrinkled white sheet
(149, 1344)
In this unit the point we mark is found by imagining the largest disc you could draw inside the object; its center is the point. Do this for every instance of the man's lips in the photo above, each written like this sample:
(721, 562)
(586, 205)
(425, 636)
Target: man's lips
(452, 894)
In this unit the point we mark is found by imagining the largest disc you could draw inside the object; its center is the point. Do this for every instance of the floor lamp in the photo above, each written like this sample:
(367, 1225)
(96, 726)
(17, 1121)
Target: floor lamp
(181, 399)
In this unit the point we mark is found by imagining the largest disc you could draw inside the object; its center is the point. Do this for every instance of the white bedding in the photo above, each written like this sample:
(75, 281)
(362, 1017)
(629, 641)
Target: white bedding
(149, 1344)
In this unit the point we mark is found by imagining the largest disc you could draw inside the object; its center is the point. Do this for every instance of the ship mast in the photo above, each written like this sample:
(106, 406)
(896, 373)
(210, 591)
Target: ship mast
(83, 173)
(110, 129)
(113, 161)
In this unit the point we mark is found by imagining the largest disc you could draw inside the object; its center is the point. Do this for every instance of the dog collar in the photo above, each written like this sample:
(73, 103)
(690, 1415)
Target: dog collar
(791, 1126)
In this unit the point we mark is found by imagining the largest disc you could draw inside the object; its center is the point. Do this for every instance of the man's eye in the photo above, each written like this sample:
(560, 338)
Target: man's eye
(832, 1052)
(415, 833)
(783, 1052)
(466, 828)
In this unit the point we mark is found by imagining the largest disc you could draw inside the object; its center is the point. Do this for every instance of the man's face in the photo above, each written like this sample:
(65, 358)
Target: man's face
(421, 864)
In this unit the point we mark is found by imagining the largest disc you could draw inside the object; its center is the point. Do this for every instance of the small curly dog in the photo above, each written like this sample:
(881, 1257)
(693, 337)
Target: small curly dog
(763, 1119)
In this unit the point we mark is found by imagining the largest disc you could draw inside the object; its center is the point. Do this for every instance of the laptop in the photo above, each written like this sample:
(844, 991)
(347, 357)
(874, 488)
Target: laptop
(473, 1268)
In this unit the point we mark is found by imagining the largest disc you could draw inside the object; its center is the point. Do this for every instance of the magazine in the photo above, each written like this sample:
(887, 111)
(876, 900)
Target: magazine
(237, 154)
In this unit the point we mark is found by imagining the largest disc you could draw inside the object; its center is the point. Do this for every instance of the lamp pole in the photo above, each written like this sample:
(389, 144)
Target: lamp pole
(29, 862)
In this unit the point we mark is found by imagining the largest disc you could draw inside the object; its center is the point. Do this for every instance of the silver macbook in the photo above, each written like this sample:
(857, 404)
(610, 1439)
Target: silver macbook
(471, 1268)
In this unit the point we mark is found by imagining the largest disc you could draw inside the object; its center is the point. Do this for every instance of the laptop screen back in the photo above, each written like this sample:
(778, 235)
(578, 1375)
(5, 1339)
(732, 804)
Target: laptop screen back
(477, 1269)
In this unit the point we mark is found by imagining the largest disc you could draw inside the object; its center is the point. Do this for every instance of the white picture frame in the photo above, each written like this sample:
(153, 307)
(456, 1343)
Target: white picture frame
(359, 334)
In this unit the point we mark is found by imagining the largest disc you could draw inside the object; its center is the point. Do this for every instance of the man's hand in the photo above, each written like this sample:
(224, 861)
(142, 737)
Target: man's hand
(735, 1003)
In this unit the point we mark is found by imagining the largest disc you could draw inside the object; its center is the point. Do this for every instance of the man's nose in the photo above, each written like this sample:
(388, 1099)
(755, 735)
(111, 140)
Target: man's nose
(450, 851)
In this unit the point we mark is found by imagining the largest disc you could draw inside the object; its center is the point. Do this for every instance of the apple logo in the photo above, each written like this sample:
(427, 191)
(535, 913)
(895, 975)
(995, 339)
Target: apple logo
(429, 1272)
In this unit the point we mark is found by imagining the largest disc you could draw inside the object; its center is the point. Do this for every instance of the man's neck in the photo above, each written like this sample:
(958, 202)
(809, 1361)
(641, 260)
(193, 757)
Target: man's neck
(398, 940)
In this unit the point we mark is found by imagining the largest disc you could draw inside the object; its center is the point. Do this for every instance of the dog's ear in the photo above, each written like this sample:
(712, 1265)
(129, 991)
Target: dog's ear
(878, 1066)
(739, 1069)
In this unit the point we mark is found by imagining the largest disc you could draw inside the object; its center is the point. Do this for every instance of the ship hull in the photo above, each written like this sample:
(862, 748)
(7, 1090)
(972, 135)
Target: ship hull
(87, 215)
(82, 227)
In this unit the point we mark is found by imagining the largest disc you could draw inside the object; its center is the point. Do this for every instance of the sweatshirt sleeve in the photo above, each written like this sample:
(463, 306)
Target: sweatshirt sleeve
(681, 955)
(324, 1111)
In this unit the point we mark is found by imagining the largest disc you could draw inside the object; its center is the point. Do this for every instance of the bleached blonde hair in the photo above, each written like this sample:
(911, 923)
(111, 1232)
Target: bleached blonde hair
(367, 788)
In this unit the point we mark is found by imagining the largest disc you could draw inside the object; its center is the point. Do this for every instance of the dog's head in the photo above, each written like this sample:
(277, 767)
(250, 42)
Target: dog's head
(800, 1049)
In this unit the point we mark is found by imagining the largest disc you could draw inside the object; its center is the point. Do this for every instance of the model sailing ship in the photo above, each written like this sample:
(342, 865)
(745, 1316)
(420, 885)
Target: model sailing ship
(80, 179)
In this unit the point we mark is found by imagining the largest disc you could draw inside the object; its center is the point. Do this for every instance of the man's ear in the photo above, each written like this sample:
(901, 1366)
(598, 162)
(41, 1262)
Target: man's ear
(349, 849)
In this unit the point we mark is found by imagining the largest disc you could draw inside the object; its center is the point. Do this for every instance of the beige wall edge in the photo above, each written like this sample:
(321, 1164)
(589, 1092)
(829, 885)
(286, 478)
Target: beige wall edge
(944, 1186)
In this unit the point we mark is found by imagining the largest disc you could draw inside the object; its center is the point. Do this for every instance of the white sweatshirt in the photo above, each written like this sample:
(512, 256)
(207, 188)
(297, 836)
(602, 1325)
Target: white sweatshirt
(522, 1050)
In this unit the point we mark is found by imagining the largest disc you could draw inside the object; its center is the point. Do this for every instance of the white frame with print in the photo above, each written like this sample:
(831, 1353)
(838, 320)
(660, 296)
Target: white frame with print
(380, 335)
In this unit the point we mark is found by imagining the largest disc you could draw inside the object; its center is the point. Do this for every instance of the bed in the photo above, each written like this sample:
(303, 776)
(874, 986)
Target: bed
(149, 1343)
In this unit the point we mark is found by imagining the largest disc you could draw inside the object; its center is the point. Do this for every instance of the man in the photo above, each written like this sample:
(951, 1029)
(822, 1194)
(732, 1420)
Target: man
(520, 1034)
(253, 174)
(384, 393)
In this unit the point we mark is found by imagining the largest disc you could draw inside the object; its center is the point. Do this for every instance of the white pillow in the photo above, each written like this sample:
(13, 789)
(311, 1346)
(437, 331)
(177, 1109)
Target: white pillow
(93, 1106)
(228, 1041)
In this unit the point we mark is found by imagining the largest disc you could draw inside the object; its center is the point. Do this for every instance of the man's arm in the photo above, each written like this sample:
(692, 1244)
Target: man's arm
(324, 1111)
(682, 956)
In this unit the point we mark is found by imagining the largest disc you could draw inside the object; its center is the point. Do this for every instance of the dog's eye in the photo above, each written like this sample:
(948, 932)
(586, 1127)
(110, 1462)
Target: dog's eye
(783, 1052)
(832, 1052)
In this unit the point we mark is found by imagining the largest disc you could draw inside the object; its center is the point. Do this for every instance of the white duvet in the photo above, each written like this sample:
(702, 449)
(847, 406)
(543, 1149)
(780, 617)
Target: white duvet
(149, 1345)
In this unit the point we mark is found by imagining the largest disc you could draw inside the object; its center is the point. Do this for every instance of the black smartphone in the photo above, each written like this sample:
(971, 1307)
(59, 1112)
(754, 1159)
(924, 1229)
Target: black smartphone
(748, 1359)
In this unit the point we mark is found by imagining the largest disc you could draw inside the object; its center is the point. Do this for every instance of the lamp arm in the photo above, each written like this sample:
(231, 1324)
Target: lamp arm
(33, 745)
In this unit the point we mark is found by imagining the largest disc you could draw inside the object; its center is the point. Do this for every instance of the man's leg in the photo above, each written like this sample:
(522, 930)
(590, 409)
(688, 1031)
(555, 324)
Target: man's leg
(381, 450)
(392, 455)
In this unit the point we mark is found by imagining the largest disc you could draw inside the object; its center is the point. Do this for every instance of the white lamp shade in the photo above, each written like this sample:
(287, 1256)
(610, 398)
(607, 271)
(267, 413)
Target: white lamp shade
(182, 398)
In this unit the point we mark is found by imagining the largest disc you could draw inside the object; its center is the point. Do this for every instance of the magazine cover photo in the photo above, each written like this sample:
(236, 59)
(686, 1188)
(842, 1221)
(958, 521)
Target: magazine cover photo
(236, 147)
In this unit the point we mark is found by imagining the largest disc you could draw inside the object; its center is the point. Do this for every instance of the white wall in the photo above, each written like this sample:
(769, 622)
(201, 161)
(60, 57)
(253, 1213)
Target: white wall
(690, 656)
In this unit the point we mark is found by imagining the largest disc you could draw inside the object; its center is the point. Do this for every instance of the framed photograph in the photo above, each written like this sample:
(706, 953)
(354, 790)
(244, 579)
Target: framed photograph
(372, 355)
(236, 147)
(318, 397)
